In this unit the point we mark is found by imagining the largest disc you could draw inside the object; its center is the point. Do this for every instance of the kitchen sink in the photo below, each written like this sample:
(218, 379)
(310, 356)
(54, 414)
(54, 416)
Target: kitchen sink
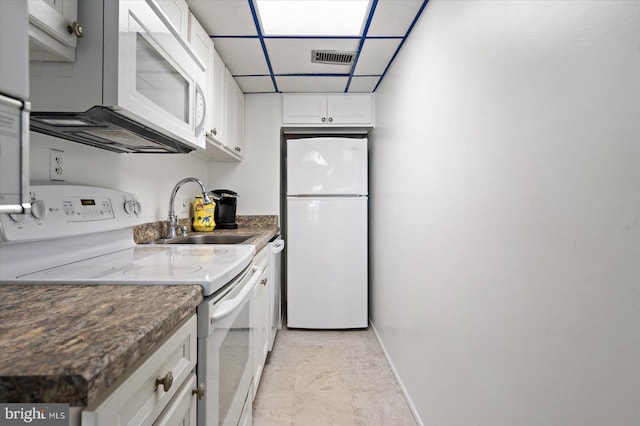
(207, 239)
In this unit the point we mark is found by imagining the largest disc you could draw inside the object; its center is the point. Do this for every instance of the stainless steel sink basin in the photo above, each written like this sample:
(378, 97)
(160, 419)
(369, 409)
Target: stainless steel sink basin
(207, 239)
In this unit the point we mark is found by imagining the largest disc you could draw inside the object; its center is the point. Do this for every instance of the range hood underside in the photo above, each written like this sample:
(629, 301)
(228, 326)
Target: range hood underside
(104, 128)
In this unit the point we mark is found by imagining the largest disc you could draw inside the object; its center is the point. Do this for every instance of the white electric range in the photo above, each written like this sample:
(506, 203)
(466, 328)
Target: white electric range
(83, 235)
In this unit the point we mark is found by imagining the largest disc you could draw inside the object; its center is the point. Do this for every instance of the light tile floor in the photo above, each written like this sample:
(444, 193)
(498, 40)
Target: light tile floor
(329, 378)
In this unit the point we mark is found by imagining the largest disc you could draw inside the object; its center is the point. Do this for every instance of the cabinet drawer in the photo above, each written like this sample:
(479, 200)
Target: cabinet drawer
(138, 401)
(182, 411)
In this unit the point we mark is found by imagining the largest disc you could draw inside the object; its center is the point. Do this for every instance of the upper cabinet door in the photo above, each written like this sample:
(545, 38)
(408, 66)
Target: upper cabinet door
(349, 109)
(53, 30)
(200, 41)
(216, 129)
(178, 13)
(304, 109)
(238, 130)
(229, 110)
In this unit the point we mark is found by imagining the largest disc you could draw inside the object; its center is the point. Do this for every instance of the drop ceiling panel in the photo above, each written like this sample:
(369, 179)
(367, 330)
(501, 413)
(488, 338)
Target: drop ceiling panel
(255, 84)
(293, 56)
(393, 17)
(231, 25)
(250, 62)
(311, 84)
(224, 17)
(375, 56)
(363, 84)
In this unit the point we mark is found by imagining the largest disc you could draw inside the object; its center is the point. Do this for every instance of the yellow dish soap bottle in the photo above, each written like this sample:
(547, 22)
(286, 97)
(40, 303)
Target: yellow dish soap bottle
(203, 215)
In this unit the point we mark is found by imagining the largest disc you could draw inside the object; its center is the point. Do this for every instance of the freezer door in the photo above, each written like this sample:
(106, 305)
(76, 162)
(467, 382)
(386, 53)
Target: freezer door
(327, 263)
(327, 166)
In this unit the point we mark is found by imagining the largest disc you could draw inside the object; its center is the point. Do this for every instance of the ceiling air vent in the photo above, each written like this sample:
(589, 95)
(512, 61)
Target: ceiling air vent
(332, 57)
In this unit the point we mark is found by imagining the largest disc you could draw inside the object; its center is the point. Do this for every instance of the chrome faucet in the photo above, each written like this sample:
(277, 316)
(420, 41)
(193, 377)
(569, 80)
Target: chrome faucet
(172, 219)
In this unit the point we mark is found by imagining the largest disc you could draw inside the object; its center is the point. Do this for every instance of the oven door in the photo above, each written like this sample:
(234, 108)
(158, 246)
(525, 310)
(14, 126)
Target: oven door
(159, 78)
(225, 352)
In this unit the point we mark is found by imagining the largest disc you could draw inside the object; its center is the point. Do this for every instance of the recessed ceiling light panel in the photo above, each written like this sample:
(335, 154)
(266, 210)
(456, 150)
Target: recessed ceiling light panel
(312, 17)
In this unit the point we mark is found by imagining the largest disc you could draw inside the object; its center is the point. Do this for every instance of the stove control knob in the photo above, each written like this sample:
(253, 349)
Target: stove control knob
(129, 206)
(137, 207)
(38, 209)
(17, 217)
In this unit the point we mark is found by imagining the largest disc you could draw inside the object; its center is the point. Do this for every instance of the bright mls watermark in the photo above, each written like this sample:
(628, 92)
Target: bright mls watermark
(34, 414)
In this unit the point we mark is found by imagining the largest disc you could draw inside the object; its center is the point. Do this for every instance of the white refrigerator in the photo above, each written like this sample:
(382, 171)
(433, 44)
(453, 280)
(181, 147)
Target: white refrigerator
(326, 230)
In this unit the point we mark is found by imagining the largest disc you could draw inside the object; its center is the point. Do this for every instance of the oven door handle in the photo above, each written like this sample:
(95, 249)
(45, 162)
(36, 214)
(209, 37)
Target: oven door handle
(228, 306)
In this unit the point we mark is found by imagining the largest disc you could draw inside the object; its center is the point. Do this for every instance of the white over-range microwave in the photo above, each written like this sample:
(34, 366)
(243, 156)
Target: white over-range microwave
(135, 86)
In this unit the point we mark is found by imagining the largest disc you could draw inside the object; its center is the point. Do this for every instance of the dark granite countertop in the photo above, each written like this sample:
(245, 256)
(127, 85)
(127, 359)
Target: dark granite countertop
(69, 343)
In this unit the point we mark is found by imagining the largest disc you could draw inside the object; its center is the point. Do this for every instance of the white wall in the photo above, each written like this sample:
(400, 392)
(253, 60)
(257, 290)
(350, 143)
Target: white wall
(257, 177)
(505, 222)
(150, 176)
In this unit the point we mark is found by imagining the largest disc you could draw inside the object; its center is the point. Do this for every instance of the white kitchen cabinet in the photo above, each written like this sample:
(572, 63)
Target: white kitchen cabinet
(53, 30)
(275, 249)
(178, 13)
(234, 114)
(330, 110)
(260, 320)
(225, 129)
(216, 129)
(155, 389)
(183, 410)
(202, 45)
(238, 134)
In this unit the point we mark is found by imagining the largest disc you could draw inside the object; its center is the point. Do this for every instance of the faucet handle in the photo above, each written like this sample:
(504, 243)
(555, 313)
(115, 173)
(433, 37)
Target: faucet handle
(184, 229)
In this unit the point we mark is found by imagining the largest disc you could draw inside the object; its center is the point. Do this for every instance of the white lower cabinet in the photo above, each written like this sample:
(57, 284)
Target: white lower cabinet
(182, 410)
(158, 391)
(261, 320)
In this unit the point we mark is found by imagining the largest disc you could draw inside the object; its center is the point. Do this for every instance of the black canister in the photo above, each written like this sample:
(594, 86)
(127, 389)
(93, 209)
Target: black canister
(225, 212)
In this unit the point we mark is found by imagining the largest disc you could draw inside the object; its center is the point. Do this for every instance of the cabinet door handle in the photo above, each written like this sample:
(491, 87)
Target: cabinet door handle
(263, 281)
(323, 119)
(214, 131)
(330, 119)
(165, 381)
(76, 29)
(200, 390)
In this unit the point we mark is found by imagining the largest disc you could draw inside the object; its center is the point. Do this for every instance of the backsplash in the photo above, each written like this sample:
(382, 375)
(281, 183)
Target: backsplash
(155, 230)
(257, 221)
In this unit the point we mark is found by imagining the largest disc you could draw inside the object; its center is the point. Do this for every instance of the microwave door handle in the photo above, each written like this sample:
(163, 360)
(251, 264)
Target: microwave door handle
(200, 124)
(228, 306)
(277, 247)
